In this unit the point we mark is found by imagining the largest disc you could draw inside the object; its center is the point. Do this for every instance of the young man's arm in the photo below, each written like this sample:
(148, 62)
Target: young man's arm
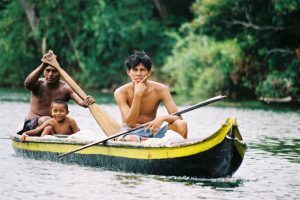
(84, 103)
(170, 105)
(32, 79)
(176, 122)
(131, 114)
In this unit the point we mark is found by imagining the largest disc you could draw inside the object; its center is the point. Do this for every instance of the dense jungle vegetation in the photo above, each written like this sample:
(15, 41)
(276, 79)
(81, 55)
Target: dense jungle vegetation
(241, 48)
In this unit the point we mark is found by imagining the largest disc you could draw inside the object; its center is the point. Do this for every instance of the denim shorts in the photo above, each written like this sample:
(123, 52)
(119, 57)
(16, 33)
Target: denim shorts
(142, 133)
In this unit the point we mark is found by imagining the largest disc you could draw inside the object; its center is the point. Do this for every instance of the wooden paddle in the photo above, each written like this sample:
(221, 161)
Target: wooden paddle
(106, 122)
(198, 105)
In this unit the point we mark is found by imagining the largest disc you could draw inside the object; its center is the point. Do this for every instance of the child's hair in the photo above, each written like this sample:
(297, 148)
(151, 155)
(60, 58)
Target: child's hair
(60, 101)
(136, 58)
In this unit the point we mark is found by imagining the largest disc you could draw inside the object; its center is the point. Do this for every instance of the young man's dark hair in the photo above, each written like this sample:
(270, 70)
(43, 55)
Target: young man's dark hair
(136, 58)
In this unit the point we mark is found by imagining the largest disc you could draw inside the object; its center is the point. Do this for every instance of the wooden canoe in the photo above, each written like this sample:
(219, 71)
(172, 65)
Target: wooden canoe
(219, 155)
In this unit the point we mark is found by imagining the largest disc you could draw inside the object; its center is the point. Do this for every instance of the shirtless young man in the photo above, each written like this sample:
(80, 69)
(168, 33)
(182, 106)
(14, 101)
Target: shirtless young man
(138, 102)
(44, 91)
(61, 123)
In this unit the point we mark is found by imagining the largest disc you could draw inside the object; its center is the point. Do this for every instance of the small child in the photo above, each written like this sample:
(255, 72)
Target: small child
(60, 123)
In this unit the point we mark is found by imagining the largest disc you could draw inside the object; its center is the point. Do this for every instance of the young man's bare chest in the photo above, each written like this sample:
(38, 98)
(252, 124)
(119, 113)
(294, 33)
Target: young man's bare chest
(45, 95)
(149, 102)
(42, 98)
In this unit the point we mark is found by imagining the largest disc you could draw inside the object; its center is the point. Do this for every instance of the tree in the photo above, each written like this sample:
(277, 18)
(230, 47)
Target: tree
(92, 37)
(266, 36)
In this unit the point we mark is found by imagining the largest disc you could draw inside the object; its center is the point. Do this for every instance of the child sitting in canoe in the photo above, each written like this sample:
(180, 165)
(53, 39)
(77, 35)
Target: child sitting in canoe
(60, 123)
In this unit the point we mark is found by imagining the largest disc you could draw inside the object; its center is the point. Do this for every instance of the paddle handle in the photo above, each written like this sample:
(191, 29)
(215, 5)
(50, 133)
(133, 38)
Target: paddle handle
(104, 140)
(198, 105)
(72, 83)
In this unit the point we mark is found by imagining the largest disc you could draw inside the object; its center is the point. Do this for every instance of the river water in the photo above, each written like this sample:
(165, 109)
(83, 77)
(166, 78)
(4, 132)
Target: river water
(270, 170)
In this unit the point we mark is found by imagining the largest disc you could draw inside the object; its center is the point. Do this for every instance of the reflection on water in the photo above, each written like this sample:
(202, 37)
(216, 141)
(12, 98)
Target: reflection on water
(225, 183)
(288, 148)
(270, 169)
(130, 180)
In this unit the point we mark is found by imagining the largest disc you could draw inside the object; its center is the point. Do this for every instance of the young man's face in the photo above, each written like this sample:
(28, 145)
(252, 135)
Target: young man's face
(137, 73)
(59, 112)
(51, 74)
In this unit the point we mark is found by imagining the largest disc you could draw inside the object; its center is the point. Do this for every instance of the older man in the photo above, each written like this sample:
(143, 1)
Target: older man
(44, 91)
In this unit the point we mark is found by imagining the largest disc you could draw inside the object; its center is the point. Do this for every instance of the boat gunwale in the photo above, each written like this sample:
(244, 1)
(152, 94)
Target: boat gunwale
(222, 159)
(186, 142)
(129, 150)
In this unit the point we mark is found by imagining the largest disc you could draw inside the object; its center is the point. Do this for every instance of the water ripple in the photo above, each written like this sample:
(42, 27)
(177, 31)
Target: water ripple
(270, 170)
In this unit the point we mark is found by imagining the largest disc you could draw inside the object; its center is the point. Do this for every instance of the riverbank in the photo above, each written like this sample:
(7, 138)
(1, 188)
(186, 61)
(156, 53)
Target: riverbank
(23, 95)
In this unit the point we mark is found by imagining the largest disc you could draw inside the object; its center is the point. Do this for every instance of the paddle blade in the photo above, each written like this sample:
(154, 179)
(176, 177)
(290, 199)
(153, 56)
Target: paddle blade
(107, 123)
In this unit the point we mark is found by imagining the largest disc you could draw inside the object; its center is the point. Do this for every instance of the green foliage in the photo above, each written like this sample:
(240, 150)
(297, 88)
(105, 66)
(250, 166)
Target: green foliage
(92, 38)
(200, 66)
(280, 84)
(99, 39)
(14, 45)
(267, 33)
(237, 47)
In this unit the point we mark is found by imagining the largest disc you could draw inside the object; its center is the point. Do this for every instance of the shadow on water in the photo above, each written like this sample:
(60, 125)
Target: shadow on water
(288, 148)
(129, 180)
(226, 184)
(218, 183)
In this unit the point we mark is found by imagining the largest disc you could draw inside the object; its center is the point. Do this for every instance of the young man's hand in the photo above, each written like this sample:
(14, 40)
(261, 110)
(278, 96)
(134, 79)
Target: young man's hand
(89, 100)
(155, 125)
(48, 56)
(140, 87)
